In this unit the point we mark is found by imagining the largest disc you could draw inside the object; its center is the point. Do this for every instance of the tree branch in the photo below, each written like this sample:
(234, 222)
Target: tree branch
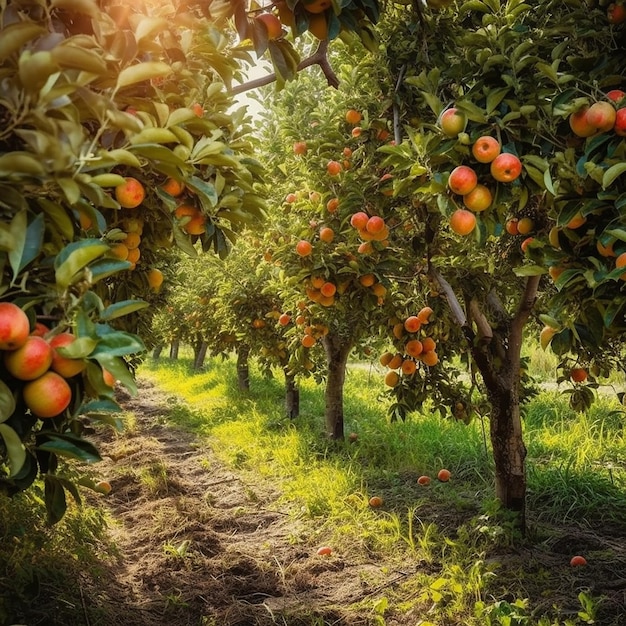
(319, 57)
(485, 332)
(527, 302)
(453, 302)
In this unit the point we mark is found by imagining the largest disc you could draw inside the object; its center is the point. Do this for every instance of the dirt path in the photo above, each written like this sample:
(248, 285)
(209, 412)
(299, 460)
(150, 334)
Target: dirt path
(202, 545)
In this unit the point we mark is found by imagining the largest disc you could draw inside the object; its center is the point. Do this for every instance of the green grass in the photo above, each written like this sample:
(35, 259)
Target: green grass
(575, 473)
(461, 558)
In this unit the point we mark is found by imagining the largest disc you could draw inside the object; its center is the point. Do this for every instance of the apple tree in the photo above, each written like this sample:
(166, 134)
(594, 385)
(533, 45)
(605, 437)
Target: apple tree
(505, 182)
(116, 142)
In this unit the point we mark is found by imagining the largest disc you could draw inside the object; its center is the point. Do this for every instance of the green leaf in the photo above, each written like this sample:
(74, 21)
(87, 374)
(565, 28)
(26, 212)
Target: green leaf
(107, 267)
(16, 453)
(7, 402)
(118, 309)
(117, 366)
(19, 225)
(80, 348)
(529, 270)
(612, 173)
(59, 217)
(54, 495)
(495, 97)
(16, 35)
(118, 343)
(70, 446)
(141, 72)
(76, 256)
(34, 241)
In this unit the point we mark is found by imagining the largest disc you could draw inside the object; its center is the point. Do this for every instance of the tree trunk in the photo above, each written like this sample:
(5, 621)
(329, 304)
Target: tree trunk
(156, 353)
(243, 368)
(337, 351)
(496, 350)
(200, 350)
(292, 395)
(175, 345)
(509, 451)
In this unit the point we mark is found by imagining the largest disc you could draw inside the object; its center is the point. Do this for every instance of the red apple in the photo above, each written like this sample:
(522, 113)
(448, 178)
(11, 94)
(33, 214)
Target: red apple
(601, 116)
(462, 180)
(579, 124)
(620, 123)
(452, 122)
(486, 149)
(506, 167)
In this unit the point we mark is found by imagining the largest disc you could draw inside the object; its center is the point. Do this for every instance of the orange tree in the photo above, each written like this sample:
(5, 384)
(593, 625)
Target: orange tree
(337, 220)
(115, 143)
(512, 168)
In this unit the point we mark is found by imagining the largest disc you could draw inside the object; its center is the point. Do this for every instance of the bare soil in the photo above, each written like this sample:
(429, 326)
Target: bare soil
(200, 544)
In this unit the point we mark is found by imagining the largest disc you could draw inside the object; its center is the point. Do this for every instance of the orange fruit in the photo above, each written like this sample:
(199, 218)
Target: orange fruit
(375, 224)
(408, 367)
(328, 289)
(443, 475)
(130, 194)
(327, 234)
(511, 226)
(525, 226)
(353, 116)
(359, 220)
(325, 551)
(304, 247)
(308, 341)
(385, 358)
(429, 358)
(398, 330)
(318, 26)
(272, 24)
(132, 240)
(155, 278)
(365, 248)
(414, 347)
(14, 326)
(428, 344)
(462, 222)
(356, 131)
(333, 168)
(379, 290)
(577, 561)
(367, 280)
(392, 378)
(412, 324)
(375, 502)
(395, 362)
(173, 187)
(120, 251)
(423, 480)
(424, 314)
(578, 374)
(332, 205)
(133, 255)
(196, 225)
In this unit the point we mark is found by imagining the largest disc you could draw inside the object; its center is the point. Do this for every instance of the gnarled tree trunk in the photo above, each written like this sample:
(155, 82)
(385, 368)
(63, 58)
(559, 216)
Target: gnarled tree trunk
(243, 367)
(337, 350)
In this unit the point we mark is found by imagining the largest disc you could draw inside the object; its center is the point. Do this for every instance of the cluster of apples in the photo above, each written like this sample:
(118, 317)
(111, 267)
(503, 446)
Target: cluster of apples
(601, 116)
(32, 359)
(370, 228)
(415, 350)
(504, 167)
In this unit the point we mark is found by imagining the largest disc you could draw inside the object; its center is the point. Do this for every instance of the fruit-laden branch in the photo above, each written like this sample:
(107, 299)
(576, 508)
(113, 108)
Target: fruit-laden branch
(319, 57)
